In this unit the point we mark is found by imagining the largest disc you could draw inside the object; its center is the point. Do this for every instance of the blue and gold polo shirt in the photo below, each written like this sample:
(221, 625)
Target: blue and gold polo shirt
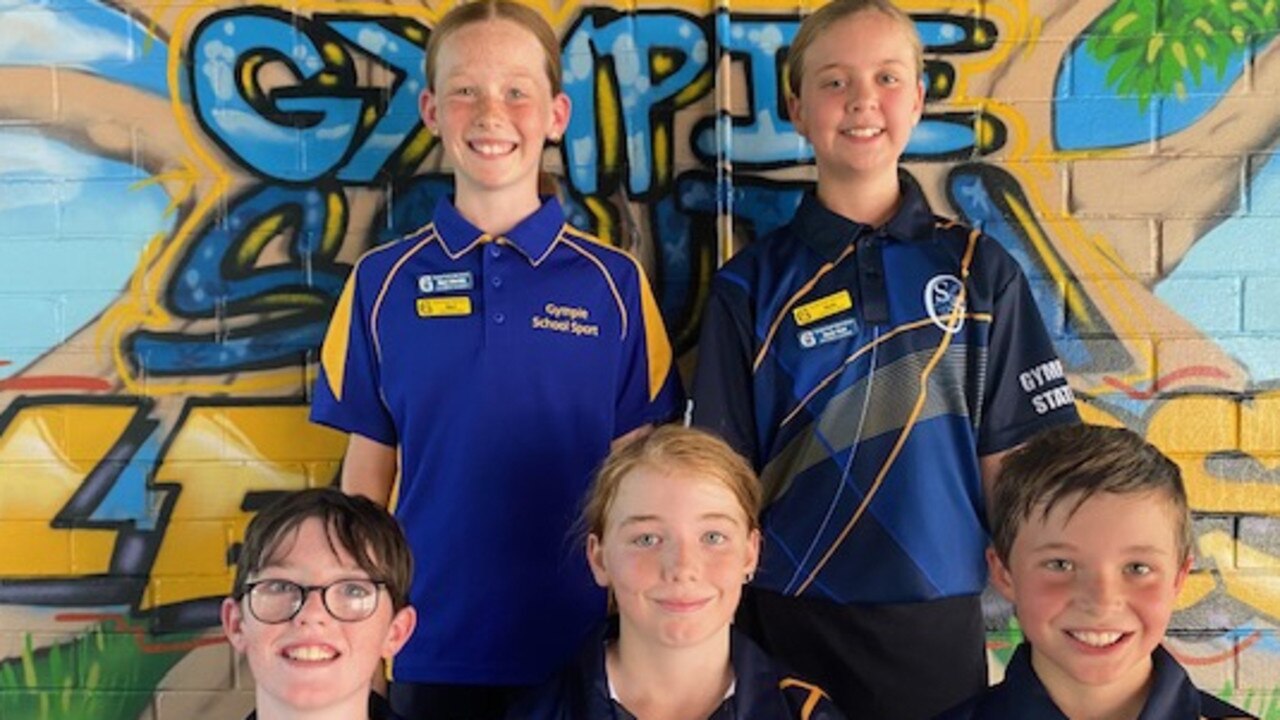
(864, 371)
(500, 368)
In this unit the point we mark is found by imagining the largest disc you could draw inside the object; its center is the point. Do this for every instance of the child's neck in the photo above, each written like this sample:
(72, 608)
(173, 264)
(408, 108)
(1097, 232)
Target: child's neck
(496, 212)
(352, 708)
(867, 200)
(654, 681)
(1121, 699)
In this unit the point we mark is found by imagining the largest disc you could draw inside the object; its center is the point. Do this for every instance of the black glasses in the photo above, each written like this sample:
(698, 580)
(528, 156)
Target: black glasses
(278, 601)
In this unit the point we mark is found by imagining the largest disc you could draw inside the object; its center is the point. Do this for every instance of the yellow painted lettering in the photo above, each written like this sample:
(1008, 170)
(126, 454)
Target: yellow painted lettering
(220, 454)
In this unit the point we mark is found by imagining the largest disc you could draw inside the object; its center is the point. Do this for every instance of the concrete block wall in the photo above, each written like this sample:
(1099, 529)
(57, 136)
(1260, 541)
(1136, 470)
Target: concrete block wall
(169, 251)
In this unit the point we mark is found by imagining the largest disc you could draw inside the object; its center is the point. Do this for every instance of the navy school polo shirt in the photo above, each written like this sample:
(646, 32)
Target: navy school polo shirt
(1023, 697)
(865, 371)
(501, 369)
(762, 690)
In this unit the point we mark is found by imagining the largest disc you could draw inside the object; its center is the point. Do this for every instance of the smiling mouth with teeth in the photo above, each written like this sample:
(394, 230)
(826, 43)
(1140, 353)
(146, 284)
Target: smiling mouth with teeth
(863, 132)
(310, 653)
(1097, 639)
(492, 148)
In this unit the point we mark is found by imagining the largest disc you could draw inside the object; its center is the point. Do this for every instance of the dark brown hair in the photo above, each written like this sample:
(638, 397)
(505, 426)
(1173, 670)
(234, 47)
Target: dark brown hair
(820, 21)
(354, 523)
(482, 10)
(1072, 464)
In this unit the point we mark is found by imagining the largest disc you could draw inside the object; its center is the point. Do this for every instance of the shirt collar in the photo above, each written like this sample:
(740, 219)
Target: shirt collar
(829, 232)
(532, 236)
(1172, 694)
(1033, 698)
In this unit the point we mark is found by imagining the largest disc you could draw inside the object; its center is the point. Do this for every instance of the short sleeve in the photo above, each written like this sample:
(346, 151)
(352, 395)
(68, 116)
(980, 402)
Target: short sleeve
(723, 385)
(649, 388)
(347, 393)
(1026, 383)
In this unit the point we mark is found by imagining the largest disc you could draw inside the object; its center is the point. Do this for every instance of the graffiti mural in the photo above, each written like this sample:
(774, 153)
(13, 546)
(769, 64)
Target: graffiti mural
(185, 186)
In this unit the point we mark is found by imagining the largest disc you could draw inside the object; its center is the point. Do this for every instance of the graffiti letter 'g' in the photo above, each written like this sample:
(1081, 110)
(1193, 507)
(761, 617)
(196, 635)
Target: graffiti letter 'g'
(277, 92)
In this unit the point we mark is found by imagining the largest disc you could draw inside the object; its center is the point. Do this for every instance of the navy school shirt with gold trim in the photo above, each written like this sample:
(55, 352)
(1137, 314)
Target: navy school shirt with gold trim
(865, 371)
(1023, 697)
(501, 368)
(761, 691)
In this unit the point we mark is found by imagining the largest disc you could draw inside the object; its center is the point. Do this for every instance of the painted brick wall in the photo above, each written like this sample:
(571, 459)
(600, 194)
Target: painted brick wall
(172, 236)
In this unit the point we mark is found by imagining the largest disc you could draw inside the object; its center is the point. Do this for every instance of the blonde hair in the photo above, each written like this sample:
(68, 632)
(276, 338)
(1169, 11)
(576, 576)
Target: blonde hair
(671, 447)
(819, 22)
(483, 10)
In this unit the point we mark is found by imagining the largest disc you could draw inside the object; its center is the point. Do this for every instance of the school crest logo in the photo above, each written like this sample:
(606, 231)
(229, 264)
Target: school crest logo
(942, 294)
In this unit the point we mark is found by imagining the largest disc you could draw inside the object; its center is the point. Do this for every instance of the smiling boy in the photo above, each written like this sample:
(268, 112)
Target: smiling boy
(1091, 543)
(320, 598)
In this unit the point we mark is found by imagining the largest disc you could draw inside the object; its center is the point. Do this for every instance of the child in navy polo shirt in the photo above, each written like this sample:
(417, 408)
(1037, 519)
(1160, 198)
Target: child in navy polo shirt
(874, 361)
(491, 359)
(672, 533)
(1091, 542)
(320, 597)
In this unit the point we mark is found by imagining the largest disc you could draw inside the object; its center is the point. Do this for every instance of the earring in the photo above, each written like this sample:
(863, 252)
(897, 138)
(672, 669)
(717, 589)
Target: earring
(750, 576)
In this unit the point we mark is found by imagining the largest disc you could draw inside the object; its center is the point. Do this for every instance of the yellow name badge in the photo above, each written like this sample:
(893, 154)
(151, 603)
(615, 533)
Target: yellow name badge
(444, 307)
(822, 307)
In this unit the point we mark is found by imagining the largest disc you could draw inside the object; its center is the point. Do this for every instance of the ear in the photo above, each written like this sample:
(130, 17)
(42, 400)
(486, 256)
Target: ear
(1181, 577)
(595, 558)
(233, 623)
(796, 113)
(402, 625)
(753, 552)
(917, 110)
(561, 109)
(1001, 578)
(429, 111)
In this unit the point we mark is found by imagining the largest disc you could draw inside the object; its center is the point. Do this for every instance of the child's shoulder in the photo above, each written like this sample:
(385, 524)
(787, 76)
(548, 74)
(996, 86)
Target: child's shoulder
(1212, 708)
(589, 256)
(589, 245)
(379, 259)
(998, 702)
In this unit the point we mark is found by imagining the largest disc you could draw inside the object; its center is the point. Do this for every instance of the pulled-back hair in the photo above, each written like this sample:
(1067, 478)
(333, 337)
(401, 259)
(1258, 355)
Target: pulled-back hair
(673, 448)
(354, 523)
(483, 10)
(1073, 463)
(820, 21)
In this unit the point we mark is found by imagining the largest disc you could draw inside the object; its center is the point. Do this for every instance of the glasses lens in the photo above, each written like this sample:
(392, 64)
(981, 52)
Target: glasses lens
(275, 601)
(351, 600)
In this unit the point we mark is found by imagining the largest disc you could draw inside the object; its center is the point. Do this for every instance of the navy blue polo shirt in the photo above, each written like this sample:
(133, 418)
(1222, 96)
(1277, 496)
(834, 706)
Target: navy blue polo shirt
(865, 371)
(500, 368)
(761, 689)
(1021, 696)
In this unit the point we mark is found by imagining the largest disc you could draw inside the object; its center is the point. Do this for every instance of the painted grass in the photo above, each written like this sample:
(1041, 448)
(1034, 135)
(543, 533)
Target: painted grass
(99, 675)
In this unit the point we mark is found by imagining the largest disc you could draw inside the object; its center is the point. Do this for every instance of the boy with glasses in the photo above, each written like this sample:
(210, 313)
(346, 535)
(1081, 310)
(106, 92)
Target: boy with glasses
(319, 598)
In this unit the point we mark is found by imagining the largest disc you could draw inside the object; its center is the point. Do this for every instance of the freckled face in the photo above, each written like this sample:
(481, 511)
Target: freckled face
(1094, 590)
(492, 108)
(676, 550)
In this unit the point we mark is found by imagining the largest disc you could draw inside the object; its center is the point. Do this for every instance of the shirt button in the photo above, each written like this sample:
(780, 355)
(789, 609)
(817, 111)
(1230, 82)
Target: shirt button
(496, 282)
(493, 250)
(499, 318)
